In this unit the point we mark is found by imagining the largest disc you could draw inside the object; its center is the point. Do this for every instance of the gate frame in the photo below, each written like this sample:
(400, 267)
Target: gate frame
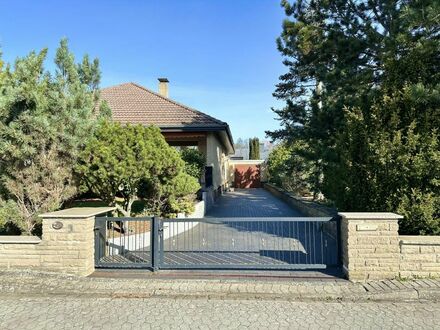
(109, 265)
(157, 245)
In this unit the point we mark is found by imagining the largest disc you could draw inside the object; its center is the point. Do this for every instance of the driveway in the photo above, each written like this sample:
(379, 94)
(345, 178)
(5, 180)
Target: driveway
(245, 203)
(246, 229)
(227, 237)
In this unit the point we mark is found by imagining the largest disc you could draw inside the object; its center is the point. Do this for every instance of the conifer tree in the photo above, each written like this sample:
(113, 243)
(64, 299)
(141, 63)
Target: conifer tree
(256, 148)
(361, 91)
(45, 120)
(251, 148)
(133, 161)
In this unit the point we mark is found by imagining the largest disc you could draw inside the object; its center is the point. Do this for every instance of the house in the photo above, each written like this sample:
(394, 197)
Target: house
(181, 126)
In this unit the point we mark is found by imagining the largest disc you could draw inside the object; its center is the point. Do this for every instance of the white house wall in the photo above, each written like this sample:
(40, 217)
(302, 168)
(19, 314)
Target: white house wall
(217, 158)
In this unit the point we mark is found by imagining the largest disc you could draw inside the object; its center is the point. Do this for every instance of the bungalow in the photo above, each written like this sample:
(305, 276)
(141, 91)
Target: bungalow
(181, 126)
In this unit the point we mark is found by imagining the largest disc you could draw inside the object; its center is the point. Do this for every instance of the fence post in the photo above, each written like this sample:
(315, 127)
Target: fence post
(68, 243)
(370, 245)
(155, 244)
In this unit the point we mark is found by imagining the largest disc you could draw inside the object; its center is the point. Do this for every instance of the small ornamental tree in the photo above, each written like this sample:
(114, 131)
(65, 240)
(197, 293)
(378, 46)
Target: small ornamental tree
(134, 162)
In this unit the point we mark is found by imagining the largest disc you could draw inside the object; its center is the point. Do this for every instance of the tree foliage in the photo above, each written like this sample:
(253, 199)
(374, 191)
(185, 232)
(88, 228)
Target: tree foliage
(254, 148)
(287, 169)
(194, 162)
(131, 162)
(362, 91)
(45, 120)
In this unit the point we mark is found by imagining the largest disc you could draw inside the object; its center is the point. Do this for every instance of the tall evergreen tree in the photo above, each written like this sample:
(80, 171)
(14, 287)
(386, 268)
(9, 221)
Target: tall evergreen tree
(256, 148)
(251, 148)
(361, 91)
(45, 120)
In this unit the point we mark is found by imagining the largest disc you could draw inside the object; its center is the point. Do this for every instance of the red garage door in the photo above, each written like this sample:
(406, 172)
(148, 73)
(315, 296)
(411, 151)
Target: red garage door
(247, 176)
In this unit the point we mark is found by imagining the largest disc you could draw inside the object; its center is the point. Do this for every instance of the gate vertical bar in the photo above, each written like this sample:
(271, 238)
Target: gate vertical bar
(161, 242)
(155, 244)
(97, 244)
(339, 260)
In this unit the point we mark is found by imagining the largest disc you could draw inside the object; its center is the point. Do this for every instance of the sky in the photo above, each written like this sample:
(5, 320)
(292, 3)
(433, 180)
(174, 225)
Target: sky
(220, 56)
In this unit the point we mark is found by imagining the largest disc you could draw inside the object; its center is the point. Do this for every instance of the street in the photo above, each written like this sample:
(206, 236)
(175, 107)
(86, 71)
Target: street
(67, 312)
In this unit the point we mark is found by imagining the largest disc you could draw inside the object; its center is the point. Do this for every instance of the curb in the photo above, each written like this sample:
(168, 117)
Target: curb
(26, 285)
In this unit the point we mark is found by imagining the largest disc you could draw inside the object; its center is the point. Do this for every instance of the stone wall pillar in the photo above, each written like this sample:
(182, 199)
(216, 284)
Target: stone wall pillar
(370, 245)
(68, 242)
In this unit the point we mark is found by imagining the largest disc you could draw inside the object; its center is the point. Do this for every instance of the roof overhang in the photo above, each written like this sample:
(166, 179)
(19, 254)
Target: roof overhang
(223, 130)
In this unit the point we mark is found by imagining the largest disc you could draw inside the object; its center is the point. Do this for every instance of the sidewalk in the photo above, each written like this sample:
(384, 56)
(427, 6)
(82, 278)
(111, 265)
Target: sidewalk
(29, 284)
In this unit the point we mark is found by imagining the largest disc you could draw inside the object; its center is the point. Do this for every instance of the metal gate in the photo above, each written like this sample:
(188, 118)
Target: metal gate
(217, 243)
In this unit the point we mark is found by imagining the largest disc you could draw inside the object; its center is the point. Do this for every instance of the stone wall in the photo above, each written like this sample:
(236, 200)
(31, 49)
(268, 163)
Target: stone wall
(67, 245)
(419, 256)
(19, 252)
(370, 245)
(305, 206)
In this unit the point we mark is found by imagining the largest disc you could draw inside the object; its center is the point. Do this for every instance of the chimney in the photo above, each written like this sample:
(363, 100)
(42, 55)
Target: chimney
(163, 87)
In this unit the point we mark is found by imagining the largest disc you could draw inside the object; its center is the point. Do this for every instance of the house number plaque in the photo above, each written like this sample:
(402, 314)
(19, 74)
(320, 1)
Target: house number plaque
(57, 225)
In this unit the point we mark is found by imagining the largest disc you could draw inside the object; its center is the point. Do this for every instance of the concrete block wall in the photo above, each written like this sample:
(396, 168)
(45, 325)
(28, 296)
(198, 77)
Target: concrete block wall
(370, 245)
(419, 256)
(305, 206)
(67, 245)
(19, 252)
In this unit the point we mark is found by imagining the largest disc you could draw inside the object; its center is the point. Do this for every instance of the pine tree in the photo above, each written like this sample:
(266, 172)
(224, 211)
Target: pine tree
(45, 121)
(360, 91)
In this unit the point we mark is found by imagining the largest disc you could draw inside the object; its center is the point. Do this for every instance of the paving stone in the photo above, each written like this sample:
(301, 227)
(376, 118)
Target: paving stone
(32, 284)
(103, 313)
(251, 203)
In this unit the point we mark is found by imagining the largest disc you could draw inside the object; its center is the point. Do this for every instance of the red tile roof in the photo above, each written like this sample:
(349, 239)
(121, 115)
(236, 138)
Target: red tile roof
(132, 103)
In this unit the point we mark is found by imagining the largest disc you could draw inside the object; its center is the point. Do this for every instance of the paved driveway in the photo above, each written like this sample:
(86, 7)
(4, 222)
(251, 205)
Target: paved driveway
(247, 228)
(227, 237)
(251, 203)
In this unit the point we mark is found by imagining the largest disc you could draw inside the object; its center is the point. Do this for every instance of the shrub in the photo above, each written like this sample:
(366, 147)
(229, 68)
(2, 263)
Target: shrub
(288, 170)
(133, 161)
(11, 221)
(194, 162)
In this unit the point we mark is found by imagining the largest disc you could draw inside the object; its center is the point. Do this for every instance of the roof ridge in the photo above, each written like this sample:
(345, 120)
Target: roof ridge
(174, 102)
(118, 85)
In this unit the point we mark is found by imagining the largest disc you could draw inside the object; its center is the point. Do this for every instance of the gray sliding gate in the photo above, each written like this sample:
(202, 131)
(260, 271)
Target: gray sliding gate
(217, 243)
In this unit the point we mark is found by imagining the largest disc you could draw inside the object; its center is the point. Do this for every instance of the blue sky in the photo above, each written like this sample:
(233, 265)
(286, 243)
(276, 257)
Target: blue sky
(219, 55)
